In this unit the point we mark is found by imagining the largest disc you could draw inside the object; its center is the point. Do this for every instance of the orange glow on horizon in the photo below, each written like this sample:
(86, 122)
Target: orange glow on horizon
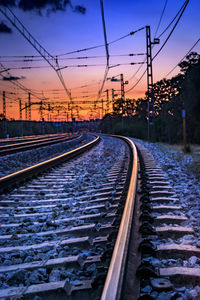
(84, 98)
(66, 35)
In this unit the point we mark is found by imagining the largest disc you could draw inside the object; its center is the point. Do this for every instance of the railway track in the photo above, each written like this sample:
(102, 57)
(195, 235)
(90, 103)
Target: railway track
(104, 225)
(13, 140)
(169, 253)
(58, 229)
(35, 143)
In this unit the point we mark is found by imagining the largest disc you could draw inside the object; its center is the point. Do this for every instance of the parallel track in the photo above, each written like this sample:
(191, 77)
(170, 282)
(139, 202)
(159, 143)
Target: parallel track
(98, 250)
(14, 178)
(89, 224)
(7, 141)
(29, 145)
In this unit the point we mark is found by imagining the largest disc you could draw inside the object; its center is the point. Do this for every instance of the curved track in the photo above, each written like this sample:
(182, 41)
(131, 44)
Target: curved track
(81, 226)
(13, 140)
(29, 145)
(118, 234)
(168, 253)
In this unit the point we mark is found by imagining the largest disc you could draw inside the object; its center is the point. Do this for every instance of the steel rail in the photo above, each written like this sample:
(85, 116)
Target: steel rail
(11, 179)
(114, 280)
(24, 143)
(28, 138)
(9, 149)
(17, 141)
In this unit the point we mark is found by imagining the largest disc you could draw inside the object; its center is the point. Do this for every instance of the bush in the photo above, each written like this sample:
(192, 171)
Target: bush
(131, 128)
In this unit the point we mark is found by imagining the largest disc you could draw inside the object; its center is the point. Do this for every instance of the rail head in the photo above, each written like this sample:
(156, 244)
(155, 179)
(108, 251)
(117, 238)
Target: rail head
(114, 280)
(29, 142)
(13, 148)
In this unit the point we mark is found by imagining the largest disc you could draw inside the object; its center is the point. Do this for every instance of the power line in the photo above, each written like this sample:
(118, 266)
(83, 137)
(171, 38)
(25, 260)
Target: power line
(80, 50)
(94, 65)
(183, 9)
(129, 34)
(171, 30)
(28, 36)
(50, 59)
(161, 17)
(172, 20)
(137, 70)
(9, 97)
(105, 35)
(102, 45)
(18, 84)
(107, 51)
(137, 81)
(158, 37)
(182, 58)
(66, 58)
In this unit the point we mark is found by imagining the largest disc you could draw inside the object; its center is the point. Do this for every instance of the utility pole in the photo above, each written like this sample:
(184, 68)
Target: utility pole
(184, 131)
(183, 112)
(41, 111)
(20, 117)
(20, 109)
(102, 107)
(122, 86)
(113, 99)
(4, 115)
(29, 113)
(107, 101)
(150, 93)
(77, 112)
(4, 104)
(49, 109)
(70, 107)
(150, 99)
(122, 98)
(26, 112)
(122, 92)
(67, 117)
(113, 94)
(29, 106)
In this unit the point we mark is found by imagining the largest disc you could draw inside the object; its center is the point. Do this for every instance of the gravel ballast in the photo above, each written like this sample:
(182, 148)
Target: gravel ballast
(185, 182)
(14, 162)
(68, 188)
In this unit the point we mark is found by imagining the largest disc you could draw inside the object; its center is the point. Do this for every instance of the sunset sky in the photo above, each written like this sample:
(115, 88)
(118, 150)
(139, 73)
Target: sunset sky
(61, 32)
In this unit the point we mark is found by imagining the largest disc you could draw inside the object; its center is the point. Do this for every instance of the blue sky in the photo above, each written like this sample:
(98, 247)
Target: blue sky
(66, 31)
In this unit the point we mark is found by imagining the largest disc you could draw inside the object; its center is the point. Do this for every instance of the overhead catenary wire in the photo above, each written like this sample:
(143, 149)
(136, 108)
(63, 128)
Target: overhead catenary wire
(102, 45)
(106, 46)
(163, 11)
(50, 59)
(111, 66)
(94, 65)
(18, 84)
(166, 40)
(158, 37)
(9, 97)
(171, 30)
(182, 58)
(137, 81)
(107, 50)
(129, 34)
(172, 21)
(22, 87)
(65, 58)
(141, 65)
